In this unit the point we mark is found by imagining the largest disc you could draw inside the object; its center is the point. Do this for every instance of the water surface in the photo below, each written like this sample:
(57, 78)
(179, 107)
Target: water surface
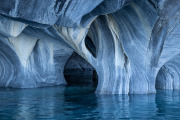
(80, 102)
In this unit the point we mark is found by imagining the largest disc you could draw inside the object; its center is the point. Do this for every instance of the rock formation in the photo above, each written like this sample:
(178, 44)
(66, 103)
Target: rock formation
(132, 44)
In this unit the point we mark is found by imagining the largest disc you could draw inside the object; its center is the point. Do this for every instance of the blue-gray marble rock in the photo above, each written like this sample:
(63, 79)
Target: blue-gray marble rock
(132, 44)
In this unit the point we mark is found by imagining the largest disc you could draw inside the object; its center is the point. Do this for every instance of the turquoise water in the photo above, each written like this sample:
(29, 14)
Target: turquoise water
(80, 103)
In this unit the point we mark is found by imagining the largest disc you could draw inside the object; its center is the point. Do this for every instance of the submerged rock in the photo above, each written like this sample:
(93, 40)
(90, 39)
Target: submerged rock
(132, 44)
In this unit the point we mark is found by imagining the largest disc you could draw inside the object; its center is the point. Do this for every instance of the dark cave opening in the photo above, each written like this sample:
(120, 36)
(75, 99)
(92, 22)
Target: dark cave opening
(167, 76)
(78, 71)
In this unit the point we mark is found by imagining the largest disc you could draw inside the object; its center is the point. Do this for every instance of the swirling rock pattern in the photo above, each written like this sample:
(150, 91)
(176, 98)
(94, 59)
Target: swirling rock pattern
(132, 44)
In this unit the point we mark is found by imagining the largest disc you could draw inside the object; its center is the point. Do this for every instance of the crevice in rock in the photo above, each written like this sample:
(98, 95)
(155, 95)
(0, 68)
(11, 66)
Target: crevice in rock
(90, 46)
(153, 3)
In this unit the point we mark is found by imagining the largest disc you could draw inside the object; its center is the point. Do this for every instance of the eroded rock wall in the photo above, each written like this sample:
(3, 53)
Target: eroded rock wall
(133, 44)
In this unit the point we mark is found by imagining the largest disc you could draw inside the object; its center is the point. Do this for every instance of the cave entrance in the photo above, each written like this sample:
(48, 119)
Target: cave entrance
(160, 79)
(78, 71)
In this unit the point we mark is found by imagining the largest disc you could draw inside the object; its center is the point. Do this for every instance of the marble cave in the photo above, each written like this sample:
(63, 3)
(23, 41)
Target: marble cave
(130, 46)
(135, 43)
(89, 59)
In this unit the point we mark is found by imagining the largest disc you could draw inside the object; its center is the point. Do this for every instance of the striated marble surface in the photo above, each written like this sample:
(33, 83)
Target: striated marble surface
(132, 44)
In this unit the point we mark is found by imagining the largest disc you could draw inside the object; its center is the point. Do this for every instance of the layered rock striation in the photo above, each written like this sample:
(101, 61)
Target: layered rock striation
(132, 44)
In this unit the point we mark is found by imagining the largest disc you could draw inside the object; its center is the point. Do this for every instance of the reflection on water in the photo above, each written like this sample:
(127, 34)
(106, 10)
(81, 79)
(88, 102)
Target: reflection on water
(79, 102)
